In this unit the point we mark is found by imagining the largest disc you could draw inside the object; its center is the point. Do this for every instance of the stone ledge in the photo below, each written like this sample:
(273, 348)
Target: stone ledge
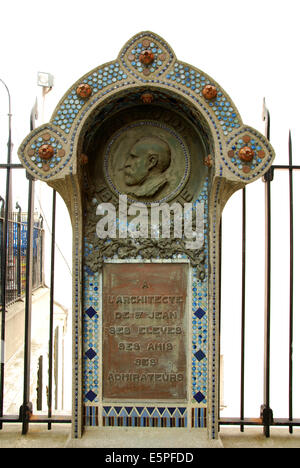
(60, 437)
(115, 437)
(253, 437)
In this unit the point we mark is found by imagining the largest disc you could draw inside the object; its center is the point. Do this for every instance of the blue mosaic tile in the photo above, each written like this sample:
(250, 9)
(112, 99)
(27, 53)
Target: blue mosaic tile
(91, 353)
(199, 397)
(145, 417)
(90, 312)
(88, 271)
(91, 362)
(91, 395)
(199, 318)
(199, 313)
(98, 80)
(91, 416)
(195, 81)
(199, 355)
(199, 417)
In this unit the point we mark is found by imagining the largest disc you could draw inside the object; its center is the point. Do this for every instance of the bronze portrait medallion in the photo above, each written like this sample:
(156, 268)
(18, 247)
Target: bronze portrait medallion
(147, 160)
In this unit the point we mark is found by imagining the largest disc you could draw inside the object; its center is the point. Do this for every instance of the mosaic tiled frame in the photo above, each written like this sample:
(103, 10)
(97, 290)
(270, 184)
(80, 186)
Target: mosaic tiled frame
(227, 133)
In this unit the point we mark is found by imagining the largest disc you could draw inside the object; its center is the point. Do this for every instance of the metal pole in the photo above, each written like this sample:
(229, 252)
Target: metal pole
(4, 254)
(291, 305)
(26, 408)
(266, 411)
(242, 405)
(56, 365)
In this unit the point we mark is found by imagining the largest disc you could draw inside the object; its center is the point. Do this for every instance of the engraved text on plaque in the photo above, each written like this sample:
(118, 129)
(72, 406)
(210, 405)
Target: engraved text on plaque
(144, 331)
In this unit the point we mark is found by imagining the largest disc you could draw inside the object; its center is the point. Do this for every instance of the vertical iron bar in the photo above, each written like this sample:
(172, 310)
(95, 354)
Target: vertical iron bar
(243, 308)
(26, 408)
(50, 377)
(4, 255)
(56, 366)
(3, 295)
(291, 304)
(266, 411)
(267, 309)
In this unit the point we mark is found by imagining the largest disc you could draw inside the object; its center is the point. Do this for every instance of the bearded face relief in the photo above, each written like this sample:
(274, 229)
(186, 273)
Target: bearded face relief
(147, 159)
(146, 164)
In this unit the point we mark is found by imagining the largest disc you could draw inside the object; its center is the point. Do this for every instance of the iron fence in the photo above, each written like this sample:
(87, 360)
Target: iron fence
(21, 271)
(16, 247)
(266, 418)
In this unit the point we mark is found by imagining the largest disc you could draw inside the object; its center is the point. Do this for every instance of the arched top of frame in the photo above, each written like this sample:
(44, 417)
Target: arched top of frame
(146, 63)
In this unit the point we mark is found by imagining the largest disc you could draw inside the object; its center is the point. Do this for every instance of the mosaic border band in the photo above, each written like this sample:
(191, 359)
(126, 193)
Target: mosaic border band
(135, 416)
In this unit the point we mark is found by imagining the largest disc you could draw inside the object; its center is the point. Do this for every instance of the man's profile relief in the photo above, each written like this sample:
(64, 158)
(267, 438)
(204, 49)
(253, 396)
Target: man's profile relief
(147, 161)
(145, 166)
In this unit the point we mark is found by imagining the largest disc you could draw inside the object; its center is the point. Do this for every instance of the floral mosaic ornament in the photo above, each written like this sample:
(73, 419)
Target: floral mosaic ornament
(146, 56)
(45, 152)
(248, 154)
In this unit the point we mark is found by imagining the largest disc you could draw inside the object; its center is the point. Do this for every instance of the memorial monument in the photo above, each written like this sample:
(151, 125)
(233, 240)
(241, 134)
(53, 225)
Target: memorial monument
(146, 150)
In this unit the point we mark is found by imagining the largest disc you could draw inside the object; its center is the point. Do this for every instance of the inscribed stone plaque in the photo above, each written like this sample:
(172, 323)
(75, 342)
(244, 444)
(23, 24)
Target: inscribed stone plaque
(145, 331)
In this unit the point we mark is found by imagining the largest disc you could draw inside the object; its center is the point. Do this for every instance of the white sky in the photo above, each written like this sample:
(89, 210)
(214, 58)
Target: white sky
(251, 48)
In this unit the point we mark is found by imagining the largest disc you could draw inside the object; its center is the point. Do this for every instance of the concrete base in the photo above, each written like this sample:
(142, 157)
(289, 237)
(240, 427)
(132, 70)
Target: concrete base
(115, 437)
(38, 436)
(229, 437)
(253, 437)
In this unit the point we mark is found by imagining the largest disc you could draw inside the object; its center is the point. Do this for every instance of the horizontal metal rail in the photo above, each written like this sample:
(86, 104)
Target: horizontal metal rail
(257, 422)
(11, 166)
(37, 419)
(287, 167)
